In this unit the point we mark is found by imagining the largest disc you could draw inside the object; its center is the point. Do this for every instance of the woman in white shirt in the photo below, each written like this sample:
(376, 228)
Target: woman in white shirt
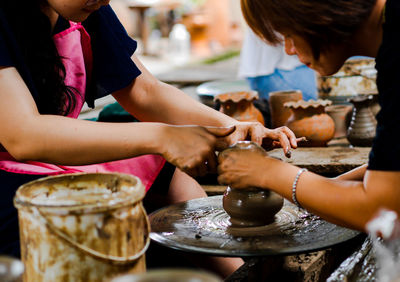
(268, 68)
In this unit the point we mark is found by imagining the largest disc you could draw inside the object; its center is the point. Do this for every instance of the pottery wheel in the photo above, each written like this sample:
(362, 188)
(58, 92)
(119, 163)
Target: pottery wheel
(202, 226)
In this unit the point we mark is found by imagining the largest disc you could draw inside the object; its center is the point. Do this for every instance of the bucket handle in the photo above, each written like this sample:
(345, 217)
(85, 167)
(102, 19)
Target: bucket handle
(96, 254)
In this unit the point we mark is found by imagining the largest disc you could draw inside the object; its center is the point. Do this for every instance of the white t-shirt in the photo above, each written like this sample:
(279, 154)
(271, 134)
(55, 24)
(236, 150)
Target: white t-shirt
(258, 58)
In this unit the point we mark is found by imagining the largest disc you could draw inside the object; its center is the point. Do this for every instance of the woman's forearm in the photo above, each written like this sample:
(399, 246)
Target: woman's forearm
(148, 99)
(65, 141)
(28, 135)
(354, 174)
(186, 109)
(348, 203)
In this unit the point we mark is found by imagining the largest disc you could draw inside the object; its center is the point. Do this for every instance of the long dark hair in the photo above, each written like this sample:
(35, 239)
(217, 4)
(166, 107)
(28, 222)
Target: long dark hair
(323, 23)
(33, 32)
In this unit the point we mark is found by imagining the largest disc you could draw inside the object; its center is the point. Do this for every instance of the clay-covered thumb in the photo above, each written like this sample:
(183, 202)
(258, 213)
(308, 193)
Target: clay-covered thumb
(220, 131)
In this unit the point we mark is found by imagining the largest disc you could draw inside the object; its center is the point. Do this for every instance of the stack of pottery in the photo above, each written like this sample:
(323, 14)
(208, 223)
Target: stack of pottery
(277, 99)
(310, 120)
(361, 131)
(252, 206)
(239, 105)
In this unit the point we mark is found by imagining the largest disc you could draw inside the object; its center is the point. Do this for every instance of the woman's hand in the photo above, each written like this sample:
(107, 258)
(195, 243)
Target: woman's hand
(242, 168)
(268, 138)
(192, 148)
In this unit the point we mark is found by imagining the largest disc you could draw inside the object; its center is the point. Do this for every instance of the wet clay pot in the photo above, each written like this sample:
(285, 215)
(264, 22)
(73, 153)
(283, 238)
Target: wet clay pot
(361, 131)
(239, 105)
(251, 206)
(310, 120)
(277, 99)
(341, 115)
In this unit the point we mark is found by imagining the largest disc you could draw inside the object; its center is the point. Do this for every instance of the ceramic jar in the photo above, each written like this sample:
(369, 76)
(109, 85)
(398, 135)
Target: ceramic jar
(251, 206)
(197, 23)
(239, 105)
(310, 120)
(277, 99)
(341, 115)
(361, 131)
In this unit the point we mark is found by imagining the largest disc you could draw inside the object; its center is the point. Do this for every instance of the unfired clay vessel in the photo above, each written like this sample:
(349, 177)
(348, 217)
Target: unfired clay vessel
(309, 120)
(239, 105)
(252, 206)
(361, 131)
(277, 99)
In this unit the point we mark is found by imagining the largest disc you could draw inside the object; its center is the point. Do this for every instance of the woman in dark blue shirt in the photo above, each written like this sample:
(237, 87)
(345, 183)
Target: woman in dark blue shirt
(50, 64)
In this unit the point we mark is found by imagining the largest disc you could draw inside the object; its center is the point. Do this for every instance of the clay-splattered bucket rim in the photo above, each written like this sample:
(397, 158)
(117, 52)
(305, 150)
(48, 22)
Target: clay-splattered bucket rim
(25, 193)
(169, 274)
(112, 181)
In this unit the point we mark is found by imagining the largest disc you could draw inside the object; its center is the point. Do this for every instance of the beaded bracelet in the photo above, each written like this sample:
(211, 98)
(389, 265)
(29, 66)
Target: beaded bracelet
(294, 187)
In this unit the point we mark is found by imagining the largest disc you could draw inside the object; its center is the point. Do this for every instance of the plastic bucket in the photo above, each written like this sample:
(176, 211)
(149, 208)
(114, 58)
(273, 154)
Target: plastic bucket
(82, 227)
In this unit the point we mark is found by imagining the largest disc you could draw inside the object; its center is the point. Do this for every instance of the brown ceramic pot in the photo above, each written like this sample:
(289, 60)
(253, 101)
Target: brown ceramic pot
(239, 105)
(362, 129)
(197, 23)
(310, 120)
(341, 115)
(277, 99)
(252, 206)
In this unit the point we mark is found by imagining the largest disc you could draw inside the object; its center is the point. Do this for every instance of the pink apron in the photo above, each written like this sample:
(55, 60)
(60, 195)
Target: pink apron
(74, 47)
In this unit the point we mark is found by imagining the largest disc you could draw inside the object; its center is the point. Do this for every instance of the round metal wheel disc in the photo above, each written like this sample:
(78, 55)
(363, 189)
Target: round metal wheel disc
(202, 226)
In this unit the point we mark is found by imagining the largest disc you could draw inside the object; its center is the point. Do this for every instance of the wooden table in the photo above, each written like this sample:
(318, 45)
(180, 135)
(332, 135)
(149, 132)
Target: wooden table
(328, 161)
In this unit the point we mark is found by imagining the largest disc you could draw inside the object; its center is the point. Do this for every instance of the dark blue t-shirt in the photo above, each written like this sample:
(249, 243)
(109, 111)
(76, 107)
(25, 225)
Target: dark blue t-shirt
(385, 153)
(113, 69)
(112, 49)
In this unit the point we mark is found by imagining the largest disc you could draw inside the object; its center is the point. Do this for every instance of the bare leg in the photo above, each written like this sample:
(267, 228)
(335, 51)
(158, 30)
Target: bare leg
(183, 188)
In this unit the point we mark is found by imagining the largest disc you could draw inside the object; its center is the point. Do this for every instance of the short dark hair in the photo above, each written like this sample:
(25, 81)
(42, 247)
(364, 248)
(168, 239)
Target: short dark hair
(323, 23)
